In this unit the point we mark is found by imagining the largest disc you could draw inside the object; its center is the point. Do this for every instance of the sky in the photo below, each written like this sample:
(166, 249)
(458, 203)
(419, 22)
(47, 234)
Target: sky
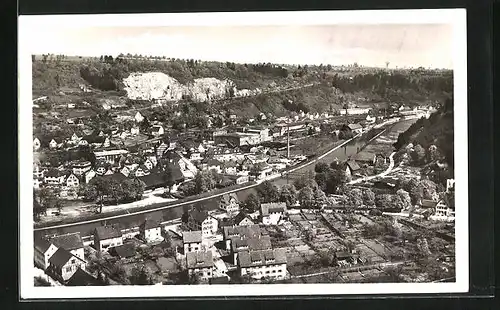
(410, 45)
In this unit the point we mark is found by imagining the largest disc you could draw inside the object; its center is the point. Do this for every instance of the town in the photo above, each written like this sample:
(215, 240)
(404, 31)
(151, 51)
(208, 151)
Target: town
(344, 195)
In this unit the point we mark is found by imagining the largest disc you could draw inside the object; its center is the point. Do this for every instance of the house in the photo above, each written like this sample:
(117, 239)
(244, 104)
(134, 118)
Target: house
(149, 164)
(157, 130)
(243, 219)
(107, 236)
(150, 231)
(36, 144)
(71, 242)
(72, 180)
(43, 252)
(82, 278)
(74, 138)
(365, 157)
(54, 177)
(240, 232)
(443, 210)
(212, 164)
(450, 185)
(201, 220)
(230, 167)
(239, 179)
(272, 213)
(89, 175)
(125, 250)
(158, 179)
(53, 144)
(191, 241)
(140, 171)
(276, 163)
(138, 117)
(266, 263)
(247, 242)
(229, 203)
(125, 171)
(63, 264)
(354, 128)
(134, 130)
(109, 156)
(427, 203)
(80, 167)
(200, 264)
(351, 168)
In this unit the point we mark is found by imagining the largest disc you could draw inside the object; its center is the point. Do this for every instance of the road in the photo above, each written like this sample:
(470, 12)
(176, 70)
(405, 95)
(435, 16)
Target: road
(383, 174)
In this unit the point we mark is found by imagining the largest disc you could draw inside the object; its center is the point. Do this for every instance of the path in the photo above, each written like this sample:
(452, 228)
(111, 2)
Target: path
(383, 174)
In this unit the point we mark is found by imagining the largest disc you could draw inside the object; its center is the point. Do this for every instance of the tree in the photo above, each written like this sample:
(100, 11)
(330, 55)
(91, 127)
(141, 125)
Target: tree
(355, 197)
(141, 276)
(383, 201)
(168, 177)
(288, 194)
(418, 154)
(320, 199)
(306, 180)
(267, 192)
(321, 167)
(405, 198)
(368, 197)
(97, 189)
(251, 203)
(306, 197)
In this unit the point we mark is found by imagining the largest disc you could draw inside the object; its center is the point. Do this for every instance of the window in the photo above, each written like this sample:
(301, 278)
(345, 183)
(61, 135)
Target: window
(68, 269)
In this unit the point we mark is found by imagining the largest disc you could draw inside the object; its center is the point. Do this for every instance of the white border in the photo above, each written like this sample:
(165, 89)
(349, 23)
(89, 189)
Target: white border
(456, 17)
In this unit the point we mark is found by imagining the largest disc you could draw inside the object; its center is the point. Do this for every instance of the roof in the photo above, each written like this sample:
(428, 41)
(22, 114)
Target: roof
(199, 260)
(69, 241)
(107, 232)
(354, 126)
(219, 280)
(353, 165)
(54, 173)
(110, 152)
(229, 164)
(262, 258)
(42, 244)
(61, 257)
(250, 231)
(426, 203)
(191, 236)
(251, 244)
(267, 208)
(198, 215)
(82, 278)
(115, 176)
(240, 217)
(226, 198)
(125, 250)
(150, 224)
(364, 156)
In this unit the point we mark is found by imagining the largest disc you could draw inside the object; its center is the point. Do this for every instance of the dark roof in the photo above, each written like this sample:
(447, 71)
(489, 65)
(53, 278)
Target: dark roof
(108, 232)
(198, 215)
(69, 241)
(240, 217)
(191, 236)
(60, 257)
(115, 176)
(353, 165)
(364, 156)
(199, 260)
(94, 138)
(261, 258)
(125, 250)
(41, 244)
(251, 244)
(226, 198)
(149, 224)
(267, 208)
(250, 231)
(153, 179)
(54, 173)
(82, 278)
(426, 203)
(219, 280)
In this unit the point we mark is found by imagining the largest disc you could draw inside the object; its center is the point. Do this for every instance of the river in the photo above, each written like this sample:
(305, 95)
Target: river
(172, 213)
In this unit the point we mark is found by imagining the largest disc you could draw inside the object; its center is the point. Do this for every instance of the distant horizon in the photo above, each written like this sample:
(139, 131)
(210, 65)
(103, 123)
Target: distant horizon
(348, 65)
(402, 45)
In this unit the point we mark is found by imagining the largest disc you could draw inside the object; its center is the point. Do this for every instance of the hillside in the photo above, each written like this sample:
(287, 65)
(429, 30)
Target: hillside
(429, 143)
(248, 89)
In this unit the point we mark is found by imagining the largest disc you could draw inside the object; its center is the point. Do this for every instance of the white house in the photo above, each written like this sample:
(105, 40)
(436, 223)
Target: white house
(201, 220)
(54, 177)
(80, 167)
(200, 264)
(71, 242)
(272, 213)
(43, 252)
(261, 264)
(149, 164)
(52, 144)
(134, 130)
(150, 231)
(157, 130)
(230, 203)
(36, 144)
(89, 175)
(138, 117)
(72, 180)
(63, 264)
(106, 237)
(443, 210)
(191, 241)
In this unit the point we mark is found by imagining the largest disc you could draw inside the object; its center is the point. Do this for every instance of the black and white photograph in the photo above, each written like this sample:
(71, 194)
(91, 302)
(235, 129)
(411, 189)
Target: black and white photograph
(242, 154)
